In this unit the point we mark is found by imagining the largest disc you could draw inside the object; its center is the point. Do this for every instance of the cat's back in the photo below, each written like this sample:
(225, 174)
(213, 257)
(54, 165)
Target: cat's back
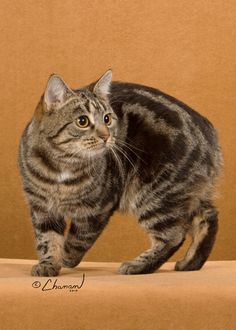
(177, 147)
(168, 130)
(139, 101)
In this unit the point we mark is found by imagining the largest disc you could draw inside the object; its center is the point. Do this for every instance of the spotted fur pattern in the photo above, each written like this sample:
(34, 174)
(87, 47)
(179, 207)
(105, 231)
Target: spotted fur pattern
(158, 160)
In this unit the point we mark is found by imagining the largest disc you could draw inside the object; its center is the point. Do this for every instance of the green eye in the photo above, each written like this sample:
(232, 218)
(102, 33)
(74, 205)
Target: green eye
(83, 121)
(108, 119)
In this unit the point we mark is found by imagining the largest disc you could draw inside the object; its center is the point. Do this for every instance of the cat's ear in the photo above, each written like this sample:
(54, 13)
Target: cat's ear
(101, 88)
(56, 93)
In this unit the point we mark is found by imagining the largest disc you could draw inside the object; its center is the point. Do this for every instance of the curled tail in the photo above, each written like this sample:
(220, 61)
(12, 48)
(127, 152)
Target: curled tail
(203, 231)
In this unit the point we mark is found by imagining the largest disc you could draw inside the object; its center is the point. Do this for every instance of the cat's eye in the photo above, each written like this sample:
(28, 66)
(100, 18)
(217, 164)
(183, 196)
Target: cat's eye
(83, 121)
(108, 119)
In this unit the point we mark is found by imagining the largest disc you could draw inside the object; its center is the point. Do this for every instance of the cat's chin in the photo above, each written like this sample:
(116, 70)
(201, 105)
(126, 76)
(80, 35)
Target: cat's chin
(96, 151)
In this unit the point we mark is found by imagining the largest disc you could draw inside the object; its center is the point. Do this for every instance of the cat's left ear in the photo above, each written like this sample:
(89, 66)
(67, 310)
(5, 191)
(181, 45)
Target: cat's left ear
(101, 88)
(56, 93)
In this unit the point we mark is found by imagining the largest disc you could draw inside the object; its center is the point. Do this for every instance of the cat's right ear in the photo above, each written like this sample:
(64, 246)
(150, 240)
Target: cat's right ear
(56, 93)
(102, 86)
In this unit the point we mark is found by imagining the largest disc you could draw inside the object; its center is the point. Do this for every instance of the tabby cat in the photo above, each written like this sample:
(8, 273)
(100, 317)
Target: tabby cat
(118, 146)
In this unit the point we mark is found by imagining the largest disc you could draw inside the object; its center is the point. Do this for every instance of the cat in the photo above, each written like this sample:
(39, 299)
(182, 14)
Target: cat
(119, 146)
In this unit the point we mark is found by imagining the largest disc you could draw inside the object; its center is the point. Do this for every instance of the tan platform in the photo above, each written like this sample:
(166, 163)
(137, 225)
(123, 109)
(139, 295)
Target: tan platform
(102, 299)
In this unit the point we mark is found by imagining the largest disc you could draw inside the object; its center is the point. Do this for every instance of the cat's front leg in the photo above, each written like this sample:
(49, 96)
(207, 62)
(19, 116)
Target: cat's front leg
(49, 232)
(82, 234)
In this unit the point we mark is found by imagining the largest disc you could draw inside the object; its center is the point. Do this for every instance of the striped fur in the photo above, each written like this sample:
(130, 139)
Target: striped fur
(158, 160)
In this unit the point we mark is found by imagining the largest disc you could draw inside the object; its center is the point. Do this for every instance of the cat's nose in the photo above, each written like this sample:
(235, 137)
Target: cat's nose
(103, 133)
(104, 137)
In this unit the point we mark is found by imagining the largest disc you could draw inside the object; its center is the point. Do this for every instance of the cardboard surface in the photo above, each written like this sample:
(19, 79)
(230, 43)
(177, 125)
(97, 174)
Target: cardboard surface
(185, 48)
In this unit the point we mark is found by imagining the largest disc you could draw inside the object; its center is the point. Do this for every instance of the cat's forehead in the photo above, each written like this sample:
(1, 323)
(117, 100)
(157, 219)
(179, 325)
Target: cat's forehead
(89, 102)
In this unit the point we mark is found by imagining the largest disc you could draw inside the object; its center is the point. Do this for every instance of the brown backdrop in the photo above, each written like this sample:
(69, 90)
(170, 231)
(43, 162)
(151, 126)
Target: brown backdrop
(184, 48)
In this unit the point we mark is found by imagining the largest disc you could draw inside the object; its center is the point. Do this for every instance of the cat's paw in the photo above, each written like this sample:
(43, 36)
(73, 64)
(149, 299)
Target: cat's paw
(43, 269)
(133, 267)
(180, 265)
(70, 262)
(191, 265)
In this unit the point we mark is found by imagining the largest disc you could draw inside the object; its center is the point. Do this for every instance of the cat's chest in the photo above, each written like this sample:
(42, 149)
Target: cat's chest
(64, 176)
(65, 184)
(67, 191)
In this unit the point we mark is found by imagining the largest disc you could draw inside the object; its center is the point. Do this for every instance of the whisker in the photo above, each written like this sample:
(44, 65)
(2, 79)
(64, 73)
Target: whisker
(129, 144)
(130, 149)
(125, 155)
(118, 160)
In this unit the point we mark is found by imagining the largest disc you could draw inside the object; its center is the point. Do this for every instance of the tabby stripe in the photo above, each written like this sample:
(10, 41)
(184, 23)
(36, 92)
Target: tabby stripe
(34, 193)
(159, 239)
(165, 256)
(153, 225)
(91, 187)
(80, 193)
(95, 224)
(37, 208)
(155, 212)
(31, 183)
(66, 155)
(66, 141)
(102, 105)
(54, 146)
(74, 229)
(168, 200)
(45, 159)
(179, 147)
(50, 224)
(76, 246)
(194, 156)
(77, 195)
(160, 110)
(172, 200)
(87, 105)
(39, 175)
(161, 226)
(43, 248)
(107, 197)
(207, 160)
(159, 187)
(59, 131)
(166, 207)
(77, 180)
(85, 203)
(71, 203)
(201, 122)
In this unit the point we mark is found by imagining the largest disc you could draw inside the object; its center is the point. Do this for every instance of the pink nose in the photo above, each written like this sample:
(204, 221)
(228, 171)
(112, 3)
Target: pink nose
(103, 133)
(104, 137)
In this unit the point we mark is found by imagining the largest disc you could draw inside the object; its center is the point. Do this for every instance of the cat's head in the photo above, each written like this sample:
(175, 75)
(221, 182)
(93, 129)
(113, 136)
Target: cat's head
(80, 123)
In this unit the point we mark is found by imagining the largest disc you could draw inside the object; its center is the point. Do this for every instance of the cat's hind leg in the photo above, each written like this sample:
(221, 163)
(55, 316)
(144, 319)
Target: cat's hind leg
(167, 234)
(203, 231)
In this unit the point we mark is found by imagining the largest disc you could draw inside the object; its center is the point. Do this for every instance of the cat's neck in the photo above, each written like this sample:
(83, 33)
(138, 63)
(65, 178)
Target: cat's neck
(65, 166)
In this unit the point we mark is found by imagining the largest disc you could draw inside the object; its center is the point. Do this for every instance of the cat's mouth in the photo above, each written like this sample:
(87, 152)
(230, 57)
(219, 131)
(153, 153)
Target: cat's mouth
(96, 148)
